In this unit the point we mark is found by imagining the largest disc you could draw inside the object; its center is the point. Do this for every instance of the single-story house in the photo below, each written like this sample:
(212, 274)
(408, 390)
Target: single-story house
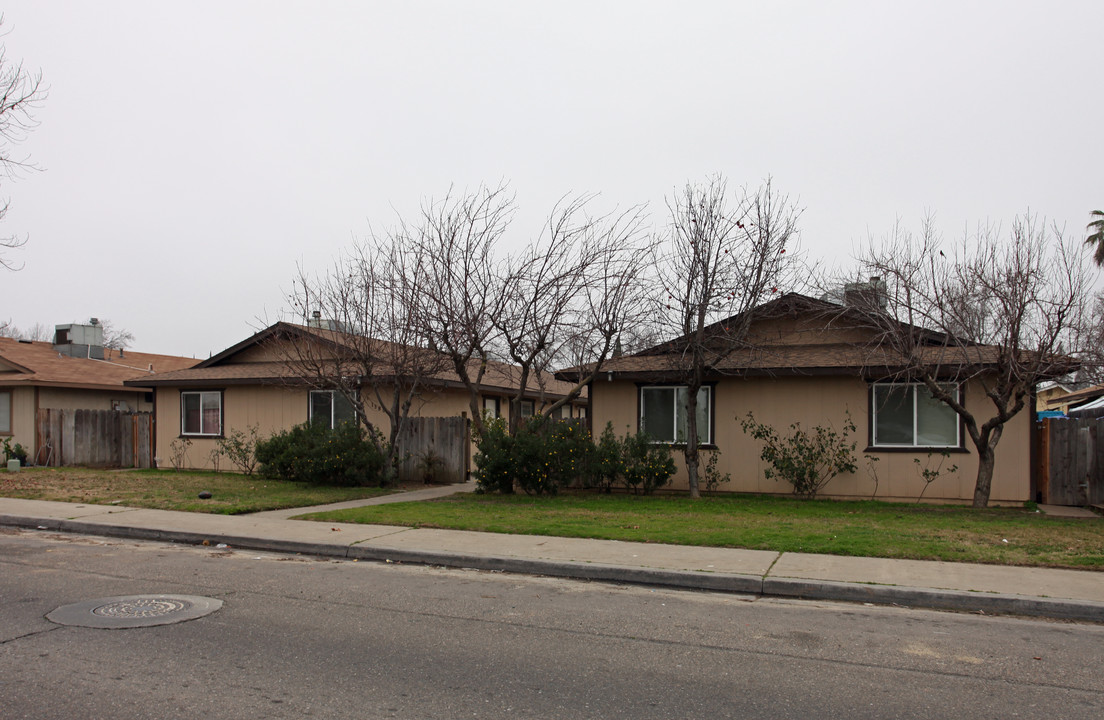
(261, 383)
(75, 372)
(804, 362)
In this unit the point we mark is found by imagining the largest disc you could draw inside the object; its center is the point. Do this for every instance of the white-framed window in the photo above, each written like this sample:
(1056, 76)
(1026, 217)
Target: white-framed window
(5, 412)
(330, 408)
(663, 413)
(906, 415)
(201, 413)
(490, 406)
(527, 408)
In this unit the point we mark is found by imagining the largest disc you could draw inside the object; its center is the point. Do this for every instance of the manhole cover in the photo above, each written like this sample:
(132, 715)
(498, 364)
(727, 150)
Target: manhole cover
(134, 611)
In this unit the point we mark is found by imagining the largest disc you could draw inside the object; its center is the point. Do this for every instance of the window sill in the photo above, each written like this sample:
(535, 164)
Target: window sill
(182, 436)
(915, 449)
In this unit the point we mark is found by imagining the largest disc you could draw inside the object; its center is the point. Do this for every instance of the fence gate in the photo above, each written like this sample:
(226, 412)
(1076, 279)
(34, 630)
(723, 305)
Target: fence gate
(94, 438)
(439, 447)
(1071, 461)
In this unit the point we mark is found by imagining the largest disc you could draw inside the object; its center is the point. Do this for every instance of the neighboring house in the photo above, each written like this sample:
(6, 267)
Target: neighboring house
(73, 373)
(1050, 396)
(805, 363)
(1064, 397)
(262, 383)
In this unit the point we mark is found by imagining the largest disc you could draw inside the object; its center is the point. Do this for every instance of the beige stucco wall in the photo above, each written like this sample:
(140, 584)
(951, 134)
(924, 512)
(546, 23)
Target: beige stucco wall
(824, 401)
(23, 406)
(272, 408)
(805, 330)
(268, 407)
(76, 399)
(22, 418)
(265, 352)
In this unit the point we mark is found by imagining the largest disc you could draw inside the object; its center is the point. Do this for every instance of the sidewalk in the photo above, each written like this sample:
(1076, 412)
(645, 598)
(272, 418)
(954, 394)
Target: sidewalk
(1060, 594)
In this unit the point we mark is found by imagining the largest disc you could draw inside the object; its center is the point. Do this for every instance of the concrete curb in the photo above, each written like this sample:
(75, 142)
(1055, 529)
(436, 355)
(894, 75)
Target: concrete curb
(577, 570)
(992, 603)
(801, 589)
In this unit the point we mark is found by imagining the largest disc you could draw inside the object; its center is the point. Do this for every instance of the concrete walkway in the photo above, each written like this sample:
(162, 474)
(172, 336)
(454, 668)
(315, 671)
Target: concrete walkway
(1064, 594)
(428, 493)
(1068, 511)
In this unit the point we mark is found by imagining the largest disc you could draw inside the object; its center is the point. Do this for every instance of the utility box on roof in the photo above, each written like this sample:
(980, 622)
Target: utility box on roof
(78, 340)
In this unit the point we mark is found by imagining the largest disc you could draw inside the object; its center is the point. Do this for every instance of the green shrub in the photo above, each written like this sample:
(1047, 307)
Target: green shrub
(544, 456)
(645, 465)
(494, 463)
(14, 452)
(607, 466)
(317, 455)
(805, 459)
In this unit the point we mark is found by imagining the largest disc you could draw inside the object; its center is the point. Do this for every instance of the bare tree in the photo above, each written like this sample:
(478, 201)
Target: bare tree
(37, 332)
(568, 296)
(612, 315)
(21, 92)
(453, 246)
(724, 254)
(364, 345)
(1002, 314)
(113, 337)
(565, 298)
(116, 338)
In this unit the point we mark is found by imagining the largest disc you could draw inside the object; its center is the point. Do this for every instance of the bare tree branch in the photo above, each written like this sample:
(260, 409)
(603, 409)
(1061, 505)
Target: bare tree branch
(724, 254)
(116, 338)
(1002, 314)
(21, 92)
(362, 341)
(37, 332)
(570, 294)
(453, 245)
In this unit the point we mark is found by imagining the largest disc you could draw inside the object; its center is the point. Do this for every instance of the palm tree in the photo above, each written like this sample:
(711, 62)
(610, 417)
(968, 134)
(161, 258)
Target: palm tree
(1096, 236)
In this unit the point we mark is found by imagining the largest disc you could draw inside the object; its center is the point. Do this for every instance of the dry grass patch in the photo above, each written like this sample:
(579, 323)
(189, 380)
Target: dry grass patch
(232, 493)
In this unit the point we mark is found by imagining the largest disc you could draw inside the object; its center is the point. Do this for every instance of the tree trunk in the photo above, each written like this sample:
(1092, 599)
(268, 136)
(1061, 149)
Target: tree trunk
(690, 452)
(692, 463)
(986, 460)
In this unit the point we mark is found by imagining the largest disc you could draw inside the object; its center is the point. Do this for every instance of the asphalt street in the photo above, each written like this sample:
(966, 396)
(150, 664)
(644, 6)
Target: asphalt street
(298, 637)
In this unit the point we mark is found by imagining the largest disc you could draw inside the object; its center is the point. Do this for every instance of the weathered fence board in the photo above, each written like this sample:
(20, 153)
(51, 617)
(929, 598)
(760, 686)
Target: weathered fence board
(1072, 457)
(447, 439)
(94, 438)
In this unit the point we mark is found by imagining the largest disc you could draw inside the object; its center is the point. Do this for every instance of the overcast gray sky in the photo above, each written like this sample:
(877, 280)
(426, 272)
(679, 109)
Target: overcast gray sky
(193, 153)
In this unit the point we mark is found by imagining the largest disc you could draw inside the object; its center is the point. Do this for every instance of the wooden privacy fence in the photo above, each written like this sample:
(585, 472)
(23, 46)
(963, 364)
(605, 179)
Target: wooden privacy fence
(94, 438)
(1071, 461)
(440, 443)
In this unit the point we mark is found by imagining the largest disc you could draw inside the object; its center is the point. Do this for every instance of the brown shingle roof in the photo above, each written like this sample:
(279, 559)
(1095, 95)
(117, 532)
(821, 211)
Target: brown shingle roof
(37, 363)
(798, 359)
(665, 361)
(221, 369)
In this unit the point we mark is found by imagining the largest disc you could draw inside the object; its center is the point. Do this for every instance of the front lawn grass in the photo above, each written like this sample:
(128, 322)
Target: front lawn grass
(1007, 536)
(232, 493)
